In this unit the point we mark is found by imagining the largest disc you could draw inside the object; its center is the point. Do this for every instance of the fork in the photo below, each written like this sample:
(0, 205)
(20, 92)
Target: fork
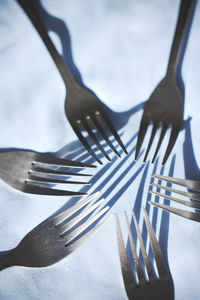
(36, 173)
(56, 237)
(166, 104)
(83, 109)
(191, 185)
(155, 287)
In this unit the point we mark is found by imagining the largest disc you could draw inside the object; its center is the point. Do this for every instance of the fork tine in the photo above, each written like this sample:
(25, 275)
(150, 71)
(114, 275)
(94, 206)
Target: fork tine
(101, 130)
(172, 141)
(70, 248)
(124, 261)
(112, 129)
(56, 172)
(95, 140)
(86, 145)
(180, 212)
(194, 196)
(164, 129)
(184, 202)
(67, 226)
(75, 233)
(142, 132)
(134, 253)
(190, 184)
(76, 207)
(154, 129)
(52, 160)
(159, 259)
(38, 190)
(41, 180)
(148, 265)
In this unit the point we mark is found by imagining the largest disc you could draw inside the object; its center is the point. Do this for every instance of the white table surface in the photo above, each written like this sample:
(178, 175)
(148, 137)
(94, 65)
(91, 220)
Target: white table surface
(121, 49)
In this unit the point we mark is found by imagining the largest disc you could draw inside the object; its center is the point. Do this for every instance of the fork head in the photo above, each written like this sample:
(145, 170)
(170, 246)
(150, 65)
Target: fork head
(144, 284)
(88, 116)
(36, 173)
(190, 184)
(60, 235)
(163, 109)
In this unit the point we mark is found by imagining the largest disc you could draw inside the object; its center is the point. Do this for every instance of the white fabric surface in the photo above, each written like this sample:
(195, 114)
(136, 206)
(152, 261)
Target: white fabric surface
(121, 49)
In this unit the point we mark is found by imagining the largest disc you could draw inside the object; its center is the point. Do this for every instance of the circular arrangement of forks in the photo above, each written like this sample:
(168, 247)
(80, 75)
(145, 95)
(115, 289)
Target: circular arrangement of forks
(115, 157)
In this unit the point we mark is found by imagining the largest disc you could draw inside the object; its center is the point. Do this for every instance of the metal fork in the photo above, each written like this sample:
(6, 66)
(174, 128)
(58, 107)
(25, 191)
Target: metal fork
(166, 104)
(83, 109)
(138, 286)
(191, 185)
(36, 173)
(56, 237)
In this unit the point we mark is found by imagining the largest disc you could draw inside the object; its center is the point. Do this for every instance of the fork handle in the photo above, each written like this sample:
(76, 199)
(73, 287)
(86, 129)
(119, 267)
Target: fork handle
(30, 9)
(6, 260)
(181, 36)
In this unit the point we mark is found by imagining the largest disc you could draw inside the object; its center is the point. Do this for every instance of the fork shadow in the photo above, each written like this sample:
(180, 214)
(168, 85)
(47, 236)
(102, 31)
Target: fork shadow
(165, 217)
(58, 26)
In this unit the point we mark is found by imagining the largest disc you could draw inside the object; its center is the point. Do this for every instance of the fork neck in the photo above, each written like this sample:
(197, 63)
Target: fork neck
(181, 35)
(31, 10)
(6, 259)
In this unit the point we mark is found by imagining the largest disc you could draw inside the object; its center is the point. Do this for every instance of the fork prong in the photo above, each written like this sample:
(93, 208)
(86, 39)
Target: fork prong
(159, 259)
(56, 161)
(124, 261)
(76, 232)
(184, 202)
(190, 184)
(154, 129)
(180, 212)
(142, 132)
(104, 135)
(39, 190)
(32, 179)
(44, 171)
(194, 196)
(67, 226)
(164, 129)
(113, 130)
(95, 140)
(72, 210)
(77, 243)
(148, 265)
(86, 145)
(172, 141)
(139, 270)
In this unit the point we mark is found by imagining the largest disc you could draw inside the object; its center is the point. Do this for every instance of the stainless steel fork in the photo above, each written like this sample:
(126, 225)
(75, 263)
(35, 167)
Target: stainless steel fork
(37, 173)
(138, 286)
(166, 104)
(56, 237)
(191, 185)
(83, 109)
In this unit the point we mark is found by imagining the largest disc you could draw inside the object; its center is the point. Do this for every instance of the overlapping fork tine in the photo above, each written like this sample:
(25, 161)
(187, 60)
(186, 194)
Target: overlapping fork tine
(40, 190)
(180, 212)
(159, 259)
(95, 140)
(112, 129)
(190, 184)
(55, 161)
(104, 135)
(129, 281)
(45, 171)
(154, 129)
(72, 210)
(163, 131)
(172, 141)
(184, 202)
(141, 134)
(85, 143)
(194, 196)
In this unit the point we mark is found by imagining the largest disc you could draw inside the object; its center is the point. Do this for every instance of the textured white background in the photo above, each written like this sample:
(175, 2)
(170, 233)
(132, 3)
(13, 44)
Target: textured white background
(121, 49)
